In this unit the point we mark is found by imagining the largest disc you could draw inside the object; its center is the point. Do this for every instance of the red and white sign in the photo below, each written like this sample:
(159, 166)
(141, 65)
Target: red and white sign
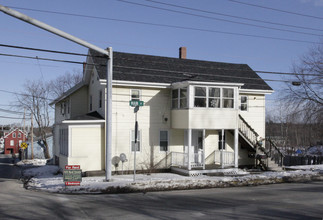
(75, 183)
(72, 175)
(72, 167)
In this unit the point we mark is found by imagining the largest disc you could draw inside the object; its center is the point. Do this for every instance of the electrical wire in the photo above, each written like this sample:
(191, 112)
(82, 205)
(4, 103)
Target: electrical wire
(234, 16)
(217, 19)
(275, 9)
(169, 26)
(79, 54)
(191, 74)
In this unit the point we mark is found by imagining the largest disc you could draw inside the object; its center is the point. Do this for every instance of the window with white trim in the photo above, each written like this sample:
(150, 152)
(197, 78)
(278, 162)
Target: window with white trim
(183, 97)
(200, 97)
(175, 98)
(228, 98)
(12, 143)
(244, 103)
(214, 99)
(163, 140)
(63, 141)
(19, 135)
(133, 140)
(135, 95)
(14, 135)
(63, 106)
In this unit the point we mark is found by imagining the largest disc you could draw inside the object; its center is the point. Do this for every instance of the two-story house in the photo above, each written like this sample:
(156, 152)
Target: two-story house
(196, 114)
(12, 140)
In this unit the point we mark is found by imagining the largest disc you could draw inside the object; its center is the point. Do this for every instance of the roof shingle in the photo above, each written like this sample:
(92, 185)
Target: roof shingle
(157, 69)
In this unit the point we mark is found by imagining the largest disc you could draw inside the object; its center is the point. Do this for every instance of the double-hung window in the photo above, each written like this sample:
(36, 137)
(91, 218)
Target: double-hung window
(175, 98)
(228, 98)
(214, 97)
(200, 97)
(179, 98)
(133, 141)
(244, 103)
(183, 97)
(222, 140)
(163, 140)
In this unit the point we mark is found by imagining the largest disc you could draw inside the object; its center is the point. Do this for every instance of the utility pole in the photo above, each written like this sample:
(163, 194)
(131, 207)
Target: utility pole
(32, 137)
(108, 120)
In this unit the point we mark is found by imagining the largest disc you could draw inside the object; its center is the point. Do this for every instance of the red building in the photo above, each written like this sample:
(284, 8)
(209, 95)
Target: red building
(13, 139)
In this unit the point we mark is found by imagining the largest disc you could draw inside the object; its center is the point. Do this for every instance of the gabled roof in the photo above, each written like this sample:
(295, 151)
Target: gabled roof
(68, 92)
(157, 69)
(13, 130)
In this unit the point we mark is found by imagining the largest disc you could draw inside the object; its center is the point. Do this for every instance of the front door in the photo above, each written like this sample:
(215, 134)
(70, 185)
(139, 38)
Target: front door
(196, 150)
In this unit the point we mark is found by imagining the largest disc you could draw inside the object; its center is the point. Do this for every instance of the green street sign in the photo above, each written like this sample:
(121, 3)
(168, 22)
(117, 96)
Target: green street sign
(134, 103)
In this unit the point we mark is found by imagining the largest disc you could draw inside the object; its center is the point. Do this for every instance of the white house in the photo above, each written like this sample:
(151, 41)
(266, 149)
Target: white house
(196, 114)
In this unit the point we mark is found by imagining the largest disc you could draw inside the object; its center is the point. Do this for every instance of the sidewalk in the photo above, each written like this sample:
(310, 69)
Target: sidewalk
(46, 178)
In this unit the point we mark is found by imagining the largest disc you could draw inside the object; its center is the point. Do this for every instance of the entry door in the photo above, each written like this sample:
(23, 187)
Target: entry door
(197, 146)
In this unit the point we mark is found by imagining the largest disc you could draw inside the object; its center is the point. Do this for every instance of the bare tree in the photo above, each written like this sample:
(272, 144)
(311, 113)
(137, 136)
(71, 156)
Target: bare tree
(35, 98)
(63, 83)
(306, 92)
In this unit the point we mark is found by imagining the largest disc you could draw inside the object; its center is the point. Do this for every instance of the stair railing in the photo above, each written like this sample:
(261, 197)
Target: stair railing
(274, 153)
(249, 133)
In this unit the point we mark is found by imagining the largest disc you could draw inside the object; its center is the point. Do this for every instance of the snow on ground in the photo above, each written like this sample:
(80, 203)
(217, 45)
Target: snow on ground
(45, 178)
(307, 167)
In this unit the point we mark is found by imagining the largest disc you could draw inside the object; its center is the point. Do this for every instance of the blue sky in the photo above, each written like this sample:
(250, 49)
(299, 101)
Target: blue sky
(259, 53)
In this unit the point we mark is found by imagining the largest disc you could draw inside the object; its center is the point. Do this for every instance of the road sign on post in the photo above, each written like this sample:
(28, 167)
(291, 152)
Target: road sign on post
(134, 103)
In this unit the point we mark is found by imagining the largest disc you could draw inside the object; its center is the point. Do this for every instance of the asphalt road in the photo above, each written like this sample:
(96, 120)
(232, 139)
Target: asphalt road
(279, 201)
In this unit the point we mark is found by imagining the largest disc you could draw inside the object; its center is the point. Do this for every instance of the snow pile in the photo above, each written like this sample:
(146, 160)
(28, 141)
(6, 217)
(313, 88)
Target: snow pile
(34, 162)
(45, 180)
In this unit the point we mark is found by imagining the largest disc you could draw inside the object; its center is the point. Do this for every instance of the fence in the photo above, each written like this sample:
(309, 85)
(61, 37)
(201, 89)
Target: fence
(302, 160)
(179, 159)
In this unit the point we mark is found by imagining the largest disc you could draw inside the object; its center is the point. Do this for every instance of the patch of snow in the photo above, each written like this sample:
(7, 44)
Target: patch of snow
(34, 162)
(46, 179)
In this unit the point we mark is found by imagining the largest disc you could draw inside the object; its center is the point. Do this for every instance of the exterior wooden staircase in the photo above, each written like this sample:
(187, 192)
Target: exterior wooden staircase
(268, 157)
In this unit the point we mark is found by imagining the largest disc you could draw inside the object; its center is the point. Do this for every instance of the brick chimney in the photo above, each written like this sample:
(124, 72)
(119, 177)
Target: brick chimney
(182, 52)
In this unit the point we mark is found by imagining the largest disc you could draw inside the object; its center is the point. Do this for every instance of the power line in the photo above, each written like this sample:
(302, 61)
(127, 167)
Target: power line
(140, 68)
(169, 26)
(21, 94)
(10, 117)
(275, 9)
(79, 54)
(218, 19)
(10, 111)
(234, 16)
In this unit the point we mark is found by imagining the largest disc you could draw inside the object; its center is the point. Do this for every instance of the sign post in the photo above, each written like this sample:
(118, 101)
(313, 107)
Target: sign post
(72, 175)
(136, 104)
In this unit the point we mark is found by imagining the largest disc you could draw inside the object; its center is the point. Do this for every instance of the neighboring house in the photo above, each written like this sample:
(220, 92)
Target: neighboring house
(13, 139)
(196, 114)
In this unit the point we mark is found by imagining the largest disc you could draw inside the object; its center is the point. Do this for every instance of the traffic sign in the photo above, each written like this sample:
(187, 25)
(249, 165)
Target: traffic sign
(24, 145)
(134, 103)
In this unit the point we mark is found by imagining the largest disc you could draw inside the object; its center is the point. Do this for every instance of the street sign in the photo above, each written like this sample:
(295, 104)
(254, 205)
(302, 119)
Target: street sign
(72, 175)
(24, 145)
(134, 103)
